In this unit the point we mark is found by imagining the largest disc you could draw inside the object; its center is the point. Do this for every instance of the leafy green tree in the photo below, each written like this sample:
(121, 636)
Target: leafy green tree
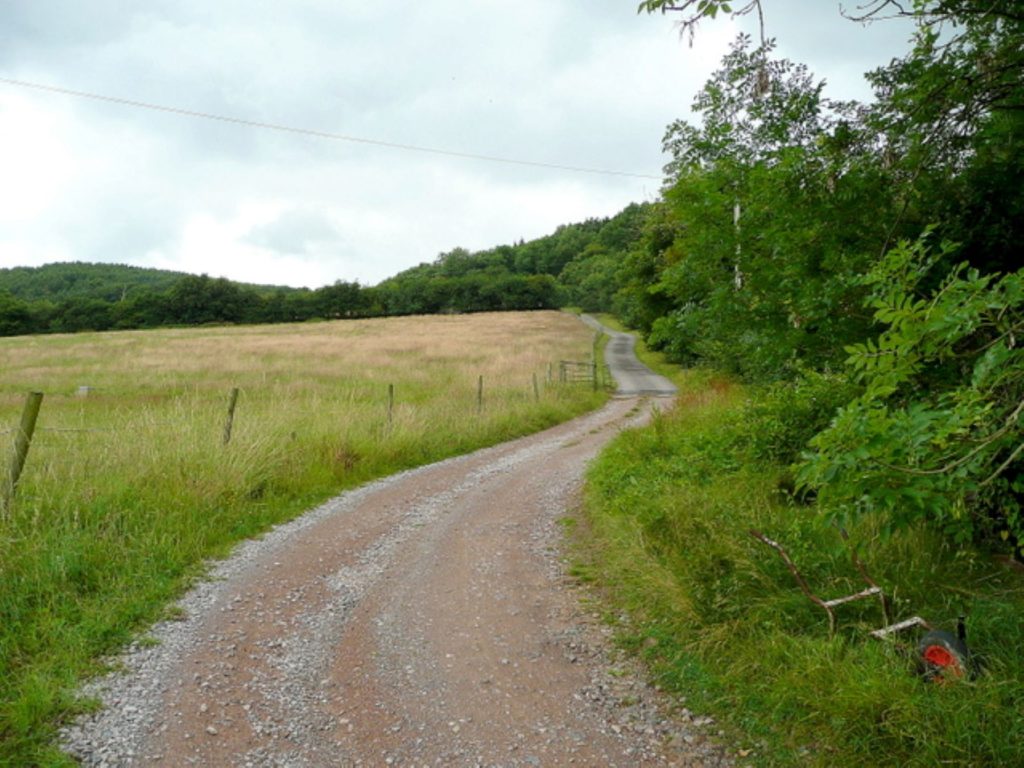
(195, 300)
(106, 282)
(15, 316)
(622, 231)
(692, 12)
(299, 306)
(937, 434)
(82, 314)
(591, 279)
(145, 308)
(780, 204)
(819, 194)
(951, 113)
(455, 263)
(339, 300)
(641, 300)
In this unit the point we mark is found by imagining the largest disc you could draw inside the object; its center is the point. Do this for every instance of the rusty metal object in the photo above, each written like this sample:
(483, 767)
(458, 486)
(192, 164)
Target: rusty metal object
(913, 621)
(829, 606)
(863, 571)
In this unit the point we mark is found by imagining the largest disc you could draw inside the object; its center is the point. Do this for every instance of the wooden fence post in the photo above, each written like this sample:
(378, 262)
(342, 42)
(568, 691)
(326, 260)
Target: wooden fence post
(536, 389)
(21, 445)
(391, 404)
(480, 395)
(232, 402)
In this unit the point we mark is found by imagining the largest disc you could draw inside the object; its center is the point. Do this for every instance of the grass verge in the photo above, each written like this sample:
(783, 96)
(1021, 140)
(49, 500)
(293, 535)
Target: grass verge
(720, 621)
(129, 489)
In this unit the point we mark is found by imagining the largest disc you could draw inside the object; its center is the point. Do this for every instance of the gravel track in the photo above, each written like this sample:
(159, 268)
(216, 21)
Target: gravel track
(424, 619)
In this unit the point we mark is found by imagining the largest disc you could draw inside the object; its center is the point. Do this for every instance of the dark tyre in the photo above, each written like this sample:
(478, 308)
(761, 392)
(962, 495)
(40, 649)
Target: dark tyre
(943, 657)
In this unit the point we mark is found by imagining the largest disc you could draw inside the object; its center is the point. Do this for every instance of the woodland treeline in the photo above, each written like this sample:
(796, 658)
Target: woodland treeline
(577, 264)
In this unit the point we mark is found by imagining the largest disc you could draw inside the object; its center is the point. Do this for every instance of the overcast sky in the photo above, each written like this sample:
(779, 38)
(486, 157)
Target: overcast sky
(585, 83)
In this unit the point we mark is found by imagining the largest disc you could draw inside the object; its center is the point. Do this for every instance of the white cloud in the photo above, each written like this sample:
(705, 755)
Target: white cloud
(548, 80)
(35, 157)
(220, 246)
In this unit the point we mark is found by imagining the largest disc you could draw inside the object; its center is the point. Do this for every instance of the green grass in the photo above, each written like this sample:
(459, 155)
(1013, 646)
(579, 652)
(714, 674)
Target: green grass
(720, 620)
(128, 490)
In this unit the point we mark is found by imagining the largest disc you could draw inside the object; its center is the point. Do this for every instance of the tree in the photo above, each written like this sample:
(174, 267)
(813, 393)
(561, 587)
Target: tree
(591, 278)
(692, 12)
(780, 204)
(951, 114)
(15, 316)
(641, 299)
(196, 300)
(339, 300)
(830, 191)
(82, 314)
(938, 434)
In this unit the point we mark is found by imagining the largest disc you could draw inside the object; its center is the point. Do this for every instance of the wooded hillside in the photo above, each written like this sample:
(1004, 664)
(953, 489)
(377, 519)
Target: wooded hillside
(78, 280)
(578, 264)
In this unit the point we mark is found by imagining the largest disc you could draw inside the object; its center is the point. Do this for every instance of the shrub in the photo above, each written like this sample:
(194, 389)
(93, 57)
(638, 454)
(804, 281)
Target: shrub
(781, 418)
(937, 434)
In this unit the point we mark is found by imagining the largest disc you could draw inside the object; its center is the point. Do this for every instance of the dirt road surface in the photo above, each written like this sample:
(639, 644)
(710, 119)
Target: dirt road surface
(631, 376)
(422, 620)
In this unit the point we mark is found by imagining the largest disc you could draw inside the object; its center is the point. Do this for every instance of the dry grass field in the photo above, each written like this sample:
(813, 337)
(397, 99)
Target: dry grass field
(129, 488)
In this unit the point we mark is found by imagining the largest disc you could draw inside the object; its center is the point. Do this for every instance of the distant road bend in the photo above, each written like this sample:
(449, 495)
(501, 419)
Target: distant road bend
(425, 619)
(632, 377)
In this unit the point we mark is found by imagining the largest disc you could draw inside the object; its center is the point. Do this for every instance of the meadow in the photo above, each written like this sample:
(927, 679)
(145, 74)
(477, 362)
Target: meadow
(129, 487)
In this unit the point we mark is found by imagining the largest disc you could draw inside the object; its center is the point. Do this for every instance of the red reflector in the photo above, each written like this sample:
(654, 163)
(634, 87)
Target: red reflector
(939, 656)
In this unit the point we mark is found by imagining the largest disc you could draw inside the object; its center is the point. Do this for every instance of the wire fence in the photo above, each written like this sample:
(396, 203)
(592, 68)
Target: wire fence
(569, 373)
(94, 429)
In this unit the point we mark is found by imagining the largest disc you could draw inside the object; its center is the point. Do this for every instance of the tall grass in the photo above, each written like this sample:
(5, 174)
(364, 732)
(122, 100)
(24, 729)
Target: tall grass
(128, 490)
(721, 621)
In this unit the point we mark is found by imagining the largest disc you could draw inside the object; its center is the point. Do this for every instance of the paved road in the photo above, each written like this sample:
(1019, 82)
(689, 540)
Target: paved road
(632, 377)
(423, 620)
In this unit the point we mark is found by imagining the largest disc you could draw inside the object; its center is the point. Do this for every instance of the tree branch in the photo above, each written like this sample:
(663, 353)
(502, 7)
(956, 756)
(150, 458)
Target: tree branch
(1007, 425)
(1003, 466)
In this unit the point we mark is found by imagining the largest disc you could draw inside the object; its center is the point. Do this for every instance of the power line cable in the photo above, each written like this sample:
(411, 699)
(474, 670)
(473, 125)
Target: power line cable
(319, 134)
